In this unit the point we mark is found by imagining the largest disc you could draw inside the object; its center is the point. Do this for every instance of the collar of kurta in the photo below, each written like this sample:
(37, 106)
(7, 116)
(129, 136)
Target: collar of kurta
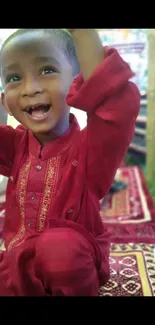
(57, 146)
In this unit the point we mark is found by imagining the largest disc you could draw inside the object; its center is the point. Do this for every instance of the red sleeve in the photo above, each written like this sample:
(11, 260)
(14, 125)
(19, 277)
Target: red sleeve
(112, 104)
(7, 140)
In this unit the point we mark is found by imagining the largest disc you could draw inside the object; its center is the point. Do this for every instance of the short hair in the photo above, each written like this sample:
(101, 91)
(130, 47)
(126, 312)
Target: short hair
(60, 37)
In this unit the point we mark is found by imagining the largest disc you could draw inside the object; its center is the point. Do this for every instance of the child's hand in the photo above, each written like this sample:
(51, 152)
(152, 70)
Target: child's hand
(70, 30)
(89, 49)
(78, 31)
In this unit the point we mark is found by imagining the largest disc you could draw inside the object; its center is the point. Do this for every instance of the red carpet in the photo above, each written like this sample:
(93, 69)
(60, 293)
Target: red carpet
(132, 269)
(129, 215)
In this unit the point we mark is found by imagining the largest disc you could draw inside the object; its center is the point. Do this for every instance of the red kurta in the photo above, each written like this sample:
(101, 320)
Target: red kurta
(60, 185)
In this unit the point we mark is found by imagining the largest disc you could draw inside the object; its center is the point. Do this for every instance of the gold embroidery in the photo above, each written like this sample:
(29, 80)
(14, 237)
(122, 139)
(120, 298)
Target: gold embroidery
(51, 178)
(23, 179)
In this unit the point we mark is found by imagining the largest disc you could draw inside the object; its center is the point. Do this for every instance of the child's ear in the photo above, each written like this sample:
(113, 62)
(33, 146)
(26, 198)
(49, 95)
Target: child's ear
(4, 103)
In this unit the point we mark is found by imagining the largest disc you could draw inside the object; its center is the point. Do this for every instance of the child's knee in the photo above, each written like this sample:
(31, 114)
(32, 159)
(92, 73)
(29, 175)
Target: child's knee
(65, 262)
(62, 250)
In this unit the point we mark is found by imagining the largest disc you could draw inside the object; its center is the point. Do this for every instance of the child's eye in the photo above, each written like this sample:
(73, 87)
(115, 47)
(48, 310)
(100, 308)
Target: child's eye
(13, 78)
(47, 71)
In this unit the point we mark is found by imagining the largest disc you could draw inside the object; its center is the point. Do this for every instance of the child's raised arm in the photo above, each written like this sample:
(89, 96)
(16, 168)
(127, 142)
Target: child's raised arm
(112, 104)
(89, 50)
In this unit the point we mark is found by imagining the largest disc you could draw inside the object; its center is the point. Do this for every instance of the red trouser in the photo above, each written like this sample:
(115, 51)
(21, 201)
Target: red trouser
(59, 262)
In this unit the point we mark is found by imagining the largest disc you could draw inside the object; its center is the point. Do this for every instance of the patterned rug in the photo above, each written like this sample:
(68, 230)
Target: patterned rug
(130, 214)
(132, 268)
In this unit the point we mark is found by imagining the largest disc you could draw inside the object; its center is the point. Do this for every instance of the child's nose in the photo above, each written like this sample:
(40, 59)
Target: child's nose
(31, 87)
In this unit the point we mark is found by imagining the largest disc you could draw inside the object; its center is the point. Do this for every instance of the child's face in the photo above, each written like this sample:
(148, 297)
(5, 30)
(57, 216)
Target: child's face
(36, 77)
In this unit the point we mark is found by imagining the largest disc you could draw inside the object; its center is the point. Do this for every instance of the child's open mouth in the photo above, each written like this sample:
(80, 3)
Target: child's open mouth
(38, 112)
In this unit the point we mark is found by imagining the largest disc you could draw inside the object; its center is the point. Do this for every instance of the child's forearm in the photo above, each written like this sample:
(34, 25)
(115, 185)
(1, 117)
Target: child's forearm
(89, 50)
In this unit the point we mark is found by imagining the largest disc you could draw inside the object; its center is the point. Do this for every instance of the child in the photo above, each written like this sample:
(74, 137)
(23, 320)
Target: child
(54, 237)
